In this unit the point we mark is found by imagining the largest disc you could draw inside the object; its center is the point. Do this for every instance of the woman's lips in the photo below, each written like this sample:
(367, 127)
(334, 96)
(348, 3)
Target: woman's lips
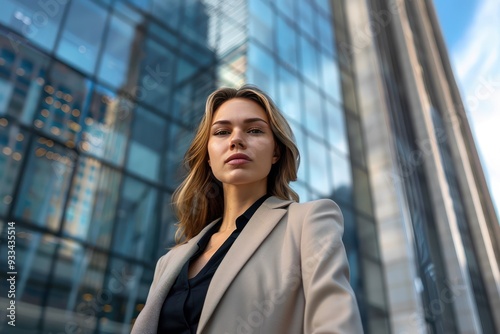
(238, 159)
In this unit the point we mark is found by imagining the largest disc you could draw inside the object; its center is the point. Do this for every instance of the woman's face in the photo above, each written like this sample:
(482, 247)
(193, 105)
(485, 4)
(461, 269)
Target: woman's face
(241, 145)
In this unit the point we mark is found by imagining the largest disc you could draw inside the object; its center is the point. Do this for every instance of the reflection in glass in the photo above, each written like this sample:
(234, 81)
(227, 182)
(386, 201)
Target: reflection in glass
(287, 7)
(335, 121)
(331, 77)
(327, 40)
(78, 287)
(45, 184)
(317, 164)
(92, 205)
(168, 12)
(260, 23)
(13, 143)
(188, 102)
(136, 230)
(80, 41)
(38, 22)
(125, 284)
(159, 32)
(232, 35)
(313, 112)
(156, 72)
(22, 75)
(341, 177)
(289, 95)
(324, 5)
(142, 4)
(287, 43)
(307, 18)
(121, 55)
(195, 22)
(167, 225)
(34, 255)
(179, 139)
(106, 126)
(261, 69)
(146, 144)
(309, 61)
(232, 73)
(63, 98)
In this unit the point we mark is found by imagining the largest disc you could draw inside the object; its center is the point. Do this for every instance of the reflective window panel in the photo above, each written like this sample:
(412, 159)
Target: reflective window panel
(286, 38)
(13, 142)
(336, 127)
(92, 205)
(178, 140)
(23, 73)
(147, 142)
(63, 98)
(261, 22)
(289, 95)
(313, 112)
(81, 42)
(119, 66)
(155, 75)
(45, 184)
(137, 221)
(34, 257)
(37, 21)
(317, 163)
(262, 69)
(106, 126)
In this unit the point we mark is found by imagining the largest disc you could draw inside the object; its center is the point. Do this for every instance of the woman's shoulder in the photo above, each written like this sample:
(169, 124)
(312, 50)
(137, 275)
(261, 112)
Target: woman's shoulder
(313, 214)
(318, 204)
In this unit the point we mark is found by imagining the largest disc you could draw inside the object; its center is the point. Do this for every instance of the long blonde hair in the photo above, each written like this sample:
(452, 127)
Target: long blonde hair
(199, 199)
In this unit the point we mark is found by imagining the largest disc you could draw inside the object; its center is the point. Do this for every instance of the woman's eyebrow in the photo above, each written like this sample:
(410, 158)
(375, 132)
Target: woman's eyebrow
(248, 120)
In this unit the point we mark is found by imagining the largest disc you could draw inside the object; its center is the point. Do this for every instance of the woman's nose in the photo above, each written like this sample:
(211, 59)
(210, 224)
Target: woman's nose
(237, 140)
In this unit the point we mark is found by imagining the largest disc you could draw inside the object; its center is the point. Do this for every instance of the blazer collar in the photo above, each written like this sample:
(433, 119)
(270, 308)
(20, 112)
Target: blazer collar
(177, 259)
(255, 232)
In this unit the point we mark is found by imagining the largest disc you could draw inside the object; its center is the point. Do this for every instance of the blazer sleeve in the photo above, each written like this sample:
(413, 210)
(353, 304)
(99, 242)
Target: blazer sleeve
(144, 318)
(159, 269)
(330, 303)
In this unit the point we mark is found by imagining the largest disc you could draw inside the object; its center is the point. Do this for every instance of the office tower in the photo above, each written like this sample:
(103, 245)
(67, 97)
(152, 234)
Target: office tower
(98, 103)
(437, 227)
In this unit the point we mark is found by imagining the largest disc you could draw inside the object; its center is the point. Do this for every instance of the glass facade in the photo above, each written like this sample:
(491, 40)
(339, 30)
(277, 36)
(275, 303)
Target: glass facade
(438, 119)
(95, 119)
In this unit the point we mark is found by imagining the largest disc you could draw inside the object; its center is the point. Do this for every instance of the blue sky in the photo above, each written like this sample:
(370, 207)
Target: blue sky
(470, 28)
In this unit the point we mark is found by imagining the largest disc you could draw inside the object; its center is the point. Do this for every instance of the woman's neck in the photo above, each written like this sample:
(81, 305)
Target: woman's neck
(236, 202)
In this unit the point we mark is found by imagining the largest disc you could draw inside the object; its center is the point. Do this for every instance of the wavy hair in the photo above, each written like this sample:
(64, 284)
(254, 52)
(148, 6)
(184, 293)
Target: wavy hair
(199, 199)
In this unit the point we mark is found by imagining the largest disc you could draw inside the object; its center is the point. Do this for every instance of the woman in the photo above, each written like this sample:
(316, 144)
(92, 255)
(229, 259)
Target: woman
(249, 258)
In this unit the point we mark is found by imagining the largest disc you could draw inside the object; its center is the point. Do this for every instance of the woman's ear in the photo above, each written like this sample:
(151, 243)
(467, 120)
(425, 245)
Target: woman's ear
(276, 154)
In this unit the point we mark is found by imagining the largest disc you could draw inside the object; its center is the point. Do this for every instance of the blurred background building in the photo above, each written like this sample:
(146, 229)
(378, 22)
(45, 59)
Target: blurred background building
(98, 103)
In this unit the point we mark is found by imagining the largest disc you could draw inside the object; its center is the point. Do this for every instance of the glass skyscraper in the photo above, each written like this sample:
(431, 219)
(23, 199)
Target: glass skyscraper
(99, 100)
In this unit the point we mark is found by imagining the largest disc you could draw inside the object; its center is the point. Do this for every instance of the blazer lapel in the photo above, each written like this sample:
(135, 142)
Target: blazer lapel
(177, 259)
(255, 232)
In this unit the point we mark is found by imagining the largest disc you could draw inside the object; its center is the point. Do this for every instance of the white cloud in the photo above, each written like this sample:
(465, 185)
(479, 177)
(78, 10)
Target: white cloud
(476, 59)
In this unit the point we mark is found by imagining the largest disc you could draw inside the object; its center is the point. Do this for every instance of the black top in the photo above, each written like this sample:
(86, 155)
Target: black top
(181, 310)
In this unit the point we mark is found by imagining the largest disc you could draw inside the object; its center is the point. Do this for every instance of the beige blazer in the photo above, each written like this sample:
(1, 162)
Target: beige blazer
(287, 272)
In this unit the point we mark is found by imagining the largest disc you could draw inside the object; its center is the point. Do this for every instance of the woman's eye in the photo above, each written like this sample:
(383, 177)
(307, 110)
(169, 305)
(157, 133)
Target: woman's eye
(221, 133)
(255, 131)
